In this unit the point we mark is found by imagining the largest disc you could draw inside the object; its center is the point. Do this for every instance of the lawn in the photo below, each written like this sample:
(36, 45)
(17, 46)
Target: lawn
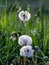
(28, 18)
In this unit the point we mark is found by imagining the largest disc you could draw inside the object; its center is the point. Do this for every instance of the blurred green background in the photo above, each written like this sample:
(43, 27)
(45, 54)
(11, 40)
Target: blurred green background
(37, 27)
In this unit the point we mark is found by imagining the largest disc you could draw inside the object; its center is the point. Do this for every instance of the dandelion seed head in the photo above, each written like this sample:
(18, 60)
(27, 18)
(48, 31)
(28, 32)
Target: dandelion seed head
(25, 40)
(24, 16)
(26, 51)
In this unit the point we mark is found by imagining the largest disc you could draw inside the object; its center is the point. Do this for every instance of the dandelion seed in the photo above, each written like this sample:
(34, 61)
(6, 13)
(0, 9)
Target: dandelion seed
(25, 40)
(26, 51)
(24, 16)
(34, 32)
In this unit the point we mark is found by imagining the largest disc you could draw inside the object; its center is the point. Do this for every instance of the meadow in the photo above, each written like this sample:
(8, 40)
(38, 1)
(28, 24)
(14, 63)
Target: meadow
(12, 27)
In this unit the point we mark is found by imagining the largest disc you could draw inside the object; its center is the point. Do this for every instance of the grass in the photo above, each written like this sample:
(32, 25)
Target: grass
(9, 22)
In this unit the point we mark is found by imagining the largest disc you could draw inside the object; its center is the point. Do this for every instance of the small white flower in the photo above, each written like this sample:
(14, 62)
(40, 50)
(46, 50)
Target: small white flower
(24, 15)
(26, 51)
(25, 40)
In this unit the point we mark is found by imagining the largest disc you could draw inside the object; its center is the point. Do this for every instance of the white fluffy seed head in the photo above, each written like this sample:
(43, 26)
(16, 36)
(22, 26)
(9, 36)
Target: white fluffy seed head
(25, 40)
(24, 16)
(26, 51)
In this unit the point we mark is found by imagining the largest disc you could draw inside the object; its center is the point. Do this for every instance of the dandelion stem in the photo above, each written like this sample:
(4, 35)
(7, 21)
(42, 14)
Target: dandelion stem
(24, 60)
(25, 28)
(21, 62)
(35, 58)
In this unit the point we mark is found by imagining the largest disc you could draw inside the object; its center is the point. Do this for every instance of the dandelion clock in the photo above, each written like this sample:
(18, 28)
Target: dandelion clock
(25, 40)
(24, 16)
(26, 54)
(26, 51)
